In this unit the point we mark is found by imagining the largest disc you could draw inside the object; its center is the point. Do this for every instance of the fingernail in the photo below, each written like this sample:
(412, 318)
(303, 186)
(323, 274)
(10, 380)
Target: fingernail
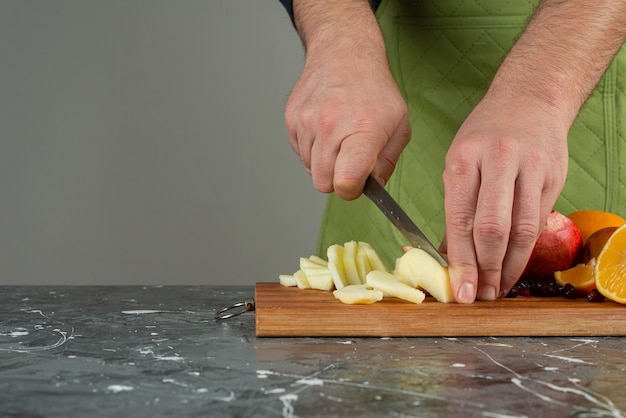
(486, 293)
(467, 293)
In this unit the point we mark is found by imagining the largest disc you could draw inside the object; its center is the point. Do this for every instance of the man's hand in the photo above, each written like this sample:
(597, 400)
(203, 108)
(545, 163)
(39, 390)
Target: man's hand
(346, 117)
(508, 162)
(504, 171)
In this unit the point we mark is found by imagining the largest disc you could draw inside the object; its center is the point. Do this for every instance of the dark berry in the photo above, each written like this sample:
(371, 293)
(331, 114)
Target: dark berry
(595, 296)
(523, 288)
(546, 289)
(513, 293)
(569, 291)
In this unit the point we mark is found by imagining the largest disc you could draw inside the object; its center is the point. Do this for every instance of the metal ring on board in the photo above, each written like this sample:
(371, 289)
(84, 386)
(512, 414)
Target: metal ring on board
(233, 310)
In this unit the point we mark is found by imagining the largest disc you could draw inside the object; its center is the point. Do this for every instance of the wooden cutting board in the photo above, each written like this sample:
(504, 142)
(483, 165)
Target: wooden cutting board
(292, 312)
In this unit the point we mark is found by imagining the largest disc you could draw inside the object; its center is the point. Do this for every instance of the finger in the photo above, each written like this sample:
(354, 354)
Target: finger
(355, 161)
(389, 155)
(461, 184)
(443, 247)
(535, 195)
(304, 150)
(324, 150)
(298, 138)
(525, 228)
(492, 225)
(291, 125)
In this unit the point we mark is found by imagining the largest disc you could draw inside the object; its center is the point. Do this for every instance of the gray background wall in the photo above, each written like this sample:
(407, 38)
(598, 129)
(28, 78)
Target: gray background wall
(143, 142)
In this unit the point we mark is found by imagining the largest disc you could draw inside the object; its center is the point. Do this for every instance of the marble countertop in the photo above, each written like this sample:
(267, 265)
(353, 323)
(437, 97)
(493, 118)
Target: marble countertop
(85, 351)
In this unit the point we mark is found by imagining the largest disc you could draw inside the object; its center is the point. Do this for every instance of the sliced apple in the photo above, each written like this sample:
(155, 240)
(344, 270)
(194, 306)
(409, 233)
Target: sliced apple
(374, 259)
(349, 262)
(360, 294)
(404, 269)
(321, 281)
(301, 281)
(287, 280)
(362, 263)
(335, 265)
(319, 260)
(309, 266)
(317, 275)
(390, 285)
(419, 269)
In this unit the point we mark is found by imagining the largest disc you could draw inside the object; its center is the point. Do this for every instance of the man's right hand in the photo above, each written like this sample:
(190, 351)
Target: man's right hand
(346, 117)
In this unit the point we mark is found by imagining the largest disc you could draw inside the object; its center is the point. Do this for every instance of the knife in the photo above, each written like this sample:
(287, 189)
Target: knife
(381, 198)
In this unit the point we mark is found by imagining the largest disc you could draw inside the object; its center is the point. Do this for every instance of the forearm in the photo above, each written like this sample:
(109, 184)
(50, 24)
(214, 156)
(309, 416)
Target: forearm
(563, 53)
(342, 29)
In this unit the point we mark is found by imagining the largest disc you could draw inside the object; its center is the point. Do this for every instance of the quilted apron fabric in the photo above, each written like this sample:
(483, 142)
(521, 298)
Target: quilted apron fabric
(443, 54)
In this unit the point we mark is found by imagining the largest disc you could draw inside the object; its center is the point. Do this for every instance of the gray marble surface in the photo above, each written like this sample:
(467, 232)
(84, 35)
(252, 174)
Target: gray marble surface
(157, 351)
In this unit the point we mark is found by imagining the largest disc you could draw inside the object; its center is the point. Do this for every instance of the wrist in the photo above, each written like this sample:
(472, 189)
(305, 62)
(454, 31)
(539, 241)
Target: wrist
(562, 54)
(344, 30)
(551, 93)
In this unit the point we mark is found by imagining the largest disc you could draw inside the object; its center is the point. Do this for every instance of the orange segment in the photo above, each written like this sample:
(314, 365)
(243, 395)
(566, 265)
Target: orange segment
(581, 276)
(610, 271)
(590, 221)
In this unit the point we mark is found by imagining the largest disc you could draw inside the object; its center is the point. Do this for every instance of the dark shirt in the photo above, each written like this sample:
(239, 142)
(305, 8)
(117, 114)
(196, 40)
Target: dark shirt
(289, 5)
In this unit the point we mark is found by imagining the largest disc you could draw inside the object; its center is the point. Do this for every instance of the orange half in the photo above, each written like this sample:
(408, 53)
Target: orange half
(610, 271)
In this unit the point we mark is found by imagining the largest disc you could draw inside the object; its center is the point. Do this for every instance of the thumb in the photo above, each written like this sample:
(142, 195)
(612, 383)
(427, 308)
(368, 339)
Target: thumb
(355, 161)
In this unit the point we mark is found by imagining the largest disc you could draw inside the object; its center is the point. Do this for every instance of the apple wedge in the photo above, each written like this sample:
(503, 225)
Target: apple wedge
(287, 280)
(335, 265)
(419, 269)
(317, 275)
(359, 294)
(349, 262)
(390, 285)
(372, 256)
(307, 264)
(301, 281)
(319, 260)
(362, 263)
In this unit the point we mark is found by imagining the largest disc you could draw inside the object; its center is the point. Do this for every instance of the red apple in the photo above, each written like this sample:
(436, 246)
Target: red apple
(556, 249)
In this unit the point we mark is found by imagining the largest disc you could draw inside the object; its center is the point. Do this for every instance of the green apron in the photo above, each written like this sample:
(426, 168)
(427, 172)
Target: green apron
(443, 54)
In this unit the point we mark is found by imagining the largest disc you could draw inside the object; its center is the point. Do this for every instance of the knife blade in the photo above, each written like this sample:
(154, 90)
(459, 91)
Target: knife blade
(392, 210)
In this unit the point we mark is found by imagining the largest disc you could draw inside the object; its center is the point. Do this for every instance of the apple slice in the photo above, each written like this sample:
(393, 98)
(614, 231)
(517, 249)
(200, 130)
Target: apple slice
(362, 262)
(319, 260)
(321, 281)
(287, 280)
(374, 259)
(335, 265)
(349, 262)
(307, 265)
(317, 275)
(404, 270)
(390, 285)
(417, 268)
(301, 281)
(359, 294)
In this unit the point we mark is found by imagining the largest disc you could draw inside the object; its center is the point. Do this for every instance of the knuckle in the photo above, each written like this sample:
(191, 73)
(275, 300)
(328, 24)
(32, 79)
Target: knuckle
(491, 229)
(322, 184)
(458, 164)
(461, 224)
(524, 234)
(326, 123)
(506, 147)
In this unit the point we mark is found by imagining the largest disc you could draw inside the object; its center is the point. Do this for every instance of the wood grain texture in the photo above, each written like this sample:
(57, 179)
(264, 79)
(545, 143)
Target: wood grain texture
(292, 312)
